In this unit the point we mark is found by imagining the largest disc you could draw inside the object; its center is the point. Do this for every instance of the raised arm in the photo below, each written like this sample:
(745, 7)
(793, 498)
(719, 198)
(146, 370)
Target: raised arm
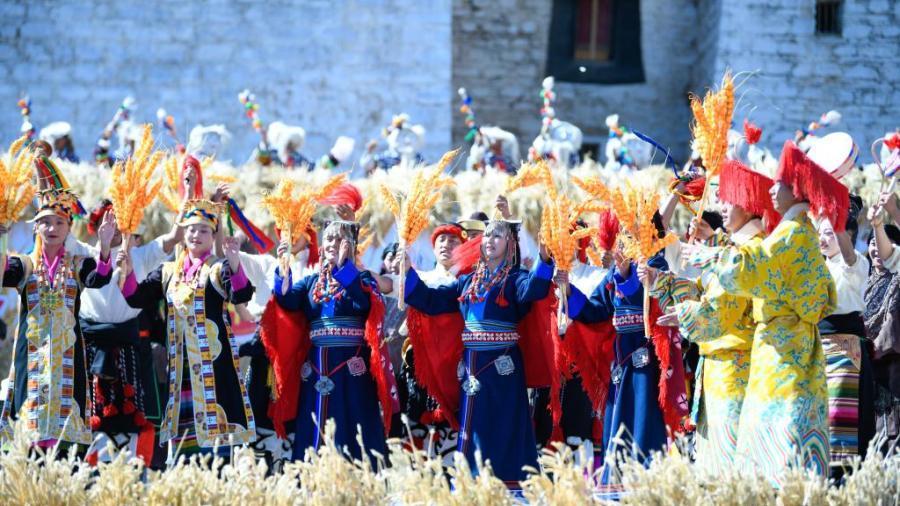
(594, 309)
(536, 284)
(443, 299)
(143, 295)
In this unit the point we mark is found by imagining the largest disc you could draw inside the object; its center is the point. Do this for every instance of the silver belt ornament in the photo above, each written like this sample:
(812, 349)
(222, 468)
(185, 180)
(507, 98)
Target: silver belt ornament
(356, 366)
(640, 358)
(306, 371)
(471, 386)
(324, 386)
(504, 365)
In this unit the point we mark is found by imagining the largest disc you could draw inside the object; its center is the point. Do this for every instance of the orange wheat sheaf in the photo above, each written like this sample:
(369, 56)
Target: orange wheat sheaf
(16, 187)
(133, 189)
(712, 119)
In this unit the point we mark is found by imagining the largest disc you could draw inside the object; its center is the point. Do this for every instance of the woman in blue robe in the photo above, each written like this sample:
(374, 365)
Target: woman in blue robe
(632, 403)
(336, 378)
(494, 415)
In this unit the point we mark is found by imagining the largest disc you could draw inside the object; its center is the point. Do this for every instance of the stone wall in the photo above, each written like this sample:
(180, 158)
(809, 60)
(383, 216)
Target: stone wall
(500, 52)
(333, 67)
(799, 75)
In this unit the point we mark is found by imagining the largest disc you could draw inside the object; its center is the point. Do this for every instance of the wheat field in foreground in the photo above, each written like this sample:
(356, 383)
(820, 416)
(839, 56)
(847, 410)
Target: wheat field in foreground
(328, 478)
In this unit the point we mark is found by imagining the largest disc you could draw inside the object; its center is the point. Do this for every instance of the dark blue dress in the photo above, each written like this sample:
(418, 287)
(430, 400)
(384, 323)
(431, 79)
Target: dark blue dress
(338, 362)
(632, 404)
(494, 416)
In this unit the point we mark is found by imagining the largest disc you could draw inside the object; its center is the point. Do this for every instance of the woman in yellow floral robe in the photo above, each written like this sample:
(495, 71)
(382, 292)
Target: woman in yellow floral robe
(784, 419)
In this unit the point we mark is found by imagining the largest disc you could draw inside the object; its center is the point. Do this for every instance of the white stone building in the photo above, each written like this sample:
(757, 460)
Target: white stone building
(344, 67)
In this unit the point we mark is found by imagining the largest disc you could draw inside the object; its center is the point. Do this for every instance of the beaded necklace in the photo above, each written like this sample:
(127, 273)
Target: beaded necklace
(50, 291)
(327, 288)
(483, 281)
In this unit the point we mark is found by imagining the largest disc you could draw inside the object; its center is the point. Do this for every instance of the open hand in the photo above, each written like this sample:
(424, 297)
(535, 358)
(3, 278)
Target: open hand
(123, 260)
(668, 320)
(106, 231)
(223, 191)
(232, 248)
(345, 252)
(345, 212)
(647, 274)
(502, 205)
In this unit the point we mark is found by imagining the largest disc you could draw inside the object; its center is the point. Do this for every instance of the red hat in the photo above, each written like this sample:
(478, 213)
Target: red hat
(827, 197)
(97, 215)
(190, 162)
(448, 228)
(742, 186)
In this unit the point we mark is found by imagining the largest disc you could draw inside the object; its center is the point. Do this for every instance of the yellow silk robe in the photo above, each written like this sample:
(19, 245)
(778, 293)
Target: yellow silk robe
(722, 326)
(784, 419)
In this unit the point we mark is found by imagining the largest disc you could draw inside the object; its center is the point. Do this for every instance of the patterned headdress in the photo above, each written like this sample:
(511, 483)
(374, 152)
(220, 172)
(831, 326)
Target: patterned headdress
(200, 211)
(57, 202)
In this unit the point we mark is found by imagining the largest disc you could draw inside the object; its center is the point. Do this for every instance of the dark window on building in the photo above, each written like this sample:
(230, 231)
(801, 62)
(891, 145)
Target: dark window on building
(828, 17)
(595, 41)
(591, 149)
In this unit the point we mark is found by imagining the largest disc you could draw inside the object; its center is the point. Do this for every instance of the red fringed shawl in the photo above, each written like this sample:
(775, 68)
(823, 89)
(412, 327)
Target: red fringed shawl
(438, 347)
(285, 337)
(672, 389)
(437, 341)
(589, 346)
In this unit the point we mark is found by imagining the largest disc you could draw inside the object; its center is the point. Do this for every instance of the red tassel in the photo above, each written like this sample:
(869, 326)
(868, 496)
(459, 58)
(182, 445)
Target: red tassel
(827, 197)
(742, 186)
(95, 422)
(501, 298)
(140, 420)
(110, 410)
(128, 407)
(385, 382)
(145, 443)
(609, 230)
(752, 132)
(128, 390)
(346, 193)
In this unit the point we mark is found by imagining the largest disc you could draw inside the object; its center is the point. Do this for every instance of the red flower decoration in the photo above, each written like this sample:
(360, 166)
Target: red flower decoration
(752, 132)
(95, 422)
(892, 141)
(128, 407)
(109, 411)
(128, 390)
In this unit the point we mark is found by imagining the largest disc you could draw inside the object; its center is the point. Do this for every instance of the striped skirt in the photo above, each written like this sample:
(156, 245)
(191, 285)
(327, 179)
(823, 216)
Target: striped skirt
(843, 356)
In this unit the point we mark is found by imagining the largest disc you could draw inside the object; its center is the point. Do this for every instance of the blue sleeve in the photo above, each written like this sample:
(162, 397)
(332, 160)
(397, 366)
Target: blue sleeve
(349, 278)
(536, 285)
(628, 286)
(296, 295)
(595, 309)
(440, 300)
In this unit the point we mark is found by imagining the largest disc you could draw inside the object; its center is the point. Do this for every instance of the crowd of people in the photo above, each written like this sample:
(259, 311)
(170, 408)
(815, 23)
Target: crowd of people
(763, 338)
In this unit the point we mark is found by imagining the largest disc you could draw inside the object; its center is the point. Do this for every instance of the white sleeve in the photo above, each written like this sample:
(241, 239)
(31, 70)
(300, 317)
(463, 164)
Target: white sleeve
(858, 273)
(78, 248)
(892, 263)
(258, 269)
(149, 256)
